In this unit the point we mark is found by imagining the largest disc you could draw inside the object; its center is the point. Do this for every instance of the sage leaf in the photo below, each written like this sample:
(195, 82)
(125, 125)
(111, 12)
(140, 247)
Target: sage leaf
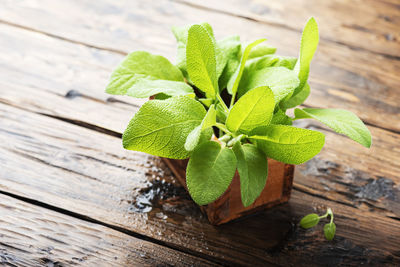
(181, 35)
(252, 110)
(261, 50)
(288, 144)
(201, 61)
(308, 46)
(228, 50)
(280, 117)
(280, 80)
(235, 79)
(161, 127)
(297, 99)
(252, 165)
(309, 221)
(138, 66)
(329, 230)
(145, 88)
(341, 121)
(209, 172)
(194, 137)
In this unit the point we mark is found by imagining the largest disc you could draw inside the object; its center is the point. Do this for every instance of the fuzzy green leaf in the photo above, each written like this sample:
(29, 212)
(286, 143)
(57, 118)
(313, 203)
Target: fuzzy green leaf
(235, 79)
(161, 127)
(228, 50)
(309, 221)
(297, 99)
(280, 117)
(341, 121)
(260, 50)
(201, 61)
(194, 137)
(252, 165)
(252, 110)
(138, 66)
(308, 46)
(181, 35)
(330, 230)
(145, 88)
(288, 144)
(280, 80)
(209, 172)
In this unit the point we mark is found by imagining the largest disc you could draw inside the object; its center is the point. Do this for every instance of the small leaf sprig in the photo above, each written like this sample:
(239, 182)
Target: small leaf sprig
(313, 219)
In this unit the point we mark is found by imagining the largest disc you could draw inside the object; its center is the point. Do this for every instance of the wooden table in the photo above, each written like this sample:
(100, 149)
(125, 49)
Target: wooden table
(70, 195)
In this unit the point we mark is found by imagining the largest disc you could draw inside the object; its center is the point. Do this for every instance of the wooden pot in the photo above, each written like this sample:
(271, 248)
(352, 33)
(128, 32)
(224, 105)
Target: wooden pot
(229, 206)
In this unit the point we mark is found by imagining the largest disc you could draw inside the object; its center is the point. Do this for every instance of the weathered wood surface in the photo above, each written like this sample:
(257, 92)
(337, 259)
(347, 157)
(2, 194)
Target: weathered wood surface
(35, 236)
(340, 21)
(46, 160)
(59, 69)
(357, 77)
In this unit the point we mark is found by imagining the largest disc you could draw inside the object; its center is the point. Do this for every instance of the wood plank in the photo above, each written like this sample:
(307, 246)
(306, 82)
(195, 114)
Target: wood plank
(52, 161)
(62, 79)
(66, 106)
(342, 77)
(368, 25)
(35, 236)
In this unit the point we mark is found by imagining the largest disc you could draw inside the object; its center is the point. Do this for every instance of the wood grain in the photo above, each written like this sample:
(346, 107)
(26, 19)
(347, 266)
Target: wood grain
(35, 236)
(59, 69)
(341, 76)
(367, 25)
(52, 161)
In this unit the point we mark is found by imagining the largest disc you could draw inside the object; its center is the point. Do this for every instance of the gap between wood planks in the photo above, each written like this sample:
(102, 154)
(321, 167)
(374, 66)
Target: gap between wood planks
(277, 24)
(117, 228)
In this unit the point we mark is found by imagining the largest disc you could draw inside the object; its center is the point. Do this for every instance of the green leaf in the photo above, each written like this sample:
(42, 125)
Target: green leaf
(234, 81)
(288, 144)
(145, 88)
(194, 136)
(209, 172)
(221, 114)
(181, 35)
(138, 66)
(287, 62)
(297, 99)
(252, 165)
(309, 43)
(201, 61)
(206, 101)
(228, 50)
(261, 50)
(281, 118)
(329, 231)
(341, 121)
(252, 110)
(309, 221)
(280, 80)
(161, 127)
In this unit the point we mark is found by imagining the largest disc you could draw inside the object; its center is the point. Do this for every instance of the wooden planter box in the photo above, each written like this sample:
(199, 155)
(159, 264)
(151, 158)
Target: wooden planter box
(229, 206)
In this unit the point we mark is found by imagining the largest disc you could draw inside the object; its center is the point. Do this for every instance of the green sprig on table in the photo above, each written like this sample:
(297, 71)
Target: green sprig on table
(313, 219)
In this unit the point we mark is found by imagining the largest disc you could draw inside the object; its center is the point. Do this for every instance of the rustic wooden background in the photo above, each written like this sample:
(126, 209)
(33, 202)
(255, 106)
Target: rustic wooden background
(70, 195)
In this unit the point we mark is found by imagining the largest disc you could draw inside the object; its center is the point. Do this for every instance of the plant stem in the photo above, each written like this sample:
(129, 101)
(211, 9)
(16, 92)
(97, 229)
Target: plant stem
(331, 214)
(325, 215)
(222, 103)
(232, 99)
(222, 127)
